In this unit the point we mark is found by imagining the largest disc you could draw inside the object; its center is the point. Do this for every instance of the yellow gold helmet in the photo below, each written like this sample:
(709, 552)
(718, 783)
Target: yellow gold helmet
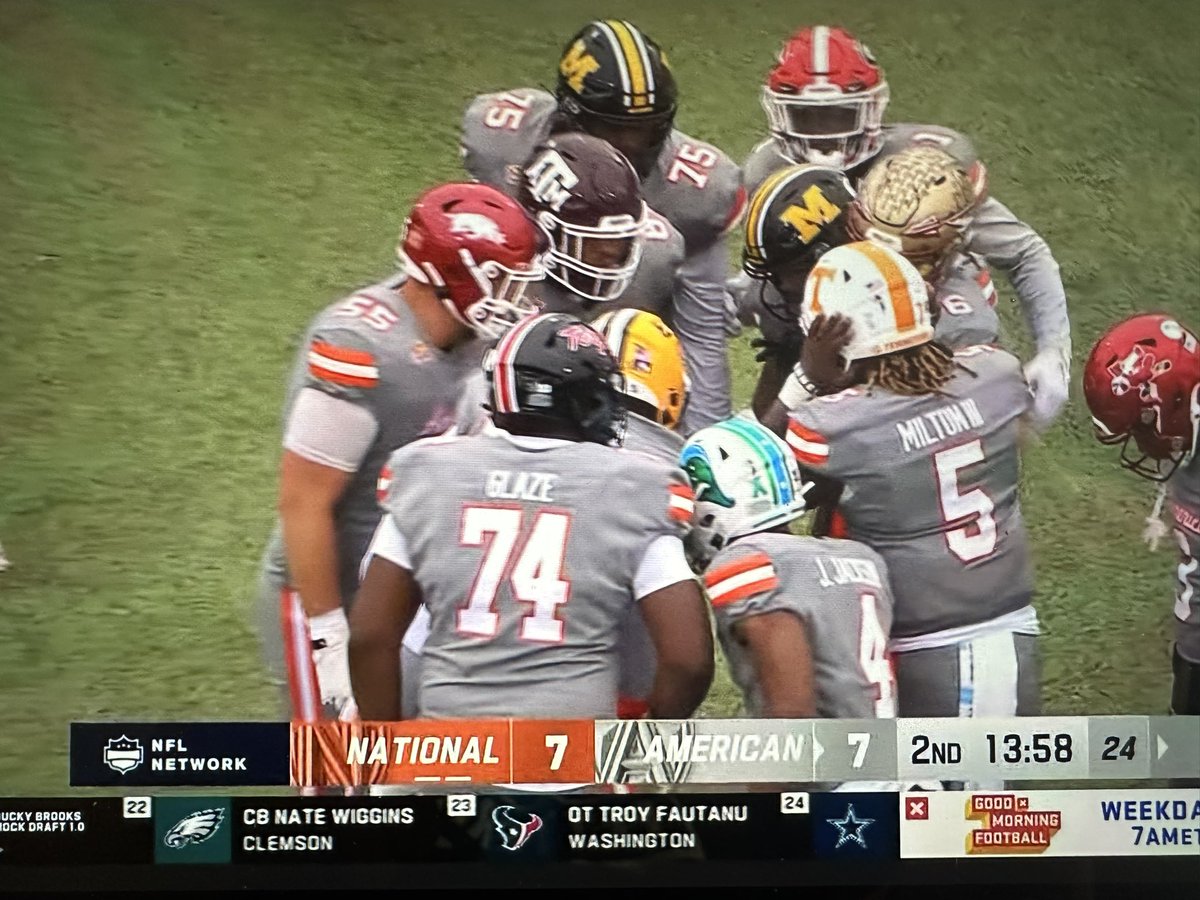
(920, 203)
(650, 358)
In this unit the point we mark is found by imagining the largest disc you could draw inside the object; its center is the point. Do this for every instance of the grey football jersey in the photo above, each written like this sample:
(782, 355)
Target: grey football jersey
(930, 482)
(694, 185)
(1008, 244)
(1185, 510)
(838, 589)
(966, 304)
(526, 557)
(638, 659)
(367, 349)
(470, 414)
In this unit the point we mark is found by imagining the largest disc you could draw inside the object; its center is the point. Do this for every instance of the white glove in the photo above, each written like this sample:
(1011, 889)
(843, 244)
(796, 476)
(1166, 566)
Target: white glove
(330, 634)
(1049, 375)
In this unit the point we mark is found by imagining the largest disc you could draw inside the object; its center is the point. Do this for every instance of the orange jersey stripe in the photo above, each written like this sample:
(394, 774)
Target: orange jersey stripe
(682, 490)
(344, 354)
(339, 378)
(754, 561)
(746, 590)
(679, 515)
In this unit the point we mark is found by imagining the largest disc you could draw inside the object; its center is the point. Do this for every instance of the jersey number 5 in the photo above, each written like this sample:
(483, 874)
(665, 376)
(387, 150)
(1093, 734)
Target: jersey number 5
(535, 578)
(976, 538)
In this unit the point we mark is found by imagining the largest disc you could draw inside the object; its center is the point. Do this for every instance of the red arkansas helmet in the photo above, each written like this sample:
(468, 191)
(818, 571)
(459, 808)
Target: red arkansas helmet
(1142, 381)
(479, 250)
(825, 99)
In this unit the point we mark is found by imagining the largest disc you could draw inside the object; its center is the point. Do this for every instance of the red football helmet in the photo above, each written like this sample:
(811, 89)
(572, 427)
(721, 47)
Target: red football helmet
(1142, 381)
(479, 250)
(825, 99)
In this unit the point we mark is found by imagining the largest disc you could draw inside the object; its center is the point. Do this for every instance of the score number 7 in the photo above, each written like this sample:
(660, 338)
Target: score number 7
(557, 743)
(860, 741)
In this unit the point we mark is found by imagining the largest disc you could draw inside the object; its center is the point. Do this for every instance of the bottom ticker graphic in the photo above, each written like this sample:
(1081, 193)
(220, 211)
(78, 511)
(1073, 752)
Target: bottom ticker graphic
(1050, 823)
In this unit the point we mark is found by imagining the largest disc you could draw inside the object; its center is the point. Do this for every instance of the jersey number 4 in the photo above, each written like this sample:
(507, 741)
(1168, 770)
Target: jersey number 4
(534, 571)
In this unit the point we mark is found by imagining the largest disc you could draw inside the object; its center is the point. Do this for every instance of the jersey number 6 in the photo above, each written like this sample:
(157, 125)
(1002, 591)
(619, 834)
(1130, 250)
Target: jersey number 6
(535, 578)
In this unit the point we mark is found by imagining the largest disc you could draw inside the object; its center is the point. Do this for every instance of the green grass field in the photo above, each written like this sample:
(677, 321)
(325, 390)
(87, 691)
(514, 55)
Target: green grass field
(183, 185)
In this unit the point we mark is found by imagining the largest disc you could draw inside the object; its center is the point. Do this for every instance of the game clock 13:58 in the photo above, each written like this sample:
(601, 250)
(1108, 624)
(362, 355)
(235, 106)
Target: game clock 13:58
(1035, 748)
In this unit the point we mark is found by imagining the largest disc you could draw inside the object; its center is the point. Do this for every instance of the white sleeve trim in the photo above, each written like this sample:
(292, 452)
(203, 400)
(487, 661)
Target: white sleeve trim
(388, 543)
(329, 431)
(663, 565)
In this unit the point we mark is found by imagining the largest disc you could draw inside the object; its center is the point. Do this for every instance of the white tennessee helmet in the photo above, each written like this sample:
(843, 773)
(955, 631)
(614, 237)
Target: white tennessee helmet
(745, 479)
(878, 290)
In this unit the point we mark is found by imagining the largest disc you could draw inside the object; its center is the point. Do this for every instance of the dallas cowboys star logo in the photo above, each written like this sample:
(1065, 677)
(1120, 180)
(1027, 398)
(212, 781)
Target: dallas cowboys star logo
(850, 828)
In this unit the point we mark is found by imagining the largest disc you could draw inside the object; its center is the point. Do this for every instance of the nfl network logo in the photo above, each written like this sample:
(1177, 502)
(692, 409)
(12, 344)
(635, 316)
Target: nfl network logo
(123, 754)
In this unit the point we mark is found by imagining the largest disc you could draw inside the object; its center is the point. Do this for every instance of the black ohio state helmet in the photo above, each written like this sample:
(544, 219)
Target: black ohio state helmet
(555, 368)
(587, 198)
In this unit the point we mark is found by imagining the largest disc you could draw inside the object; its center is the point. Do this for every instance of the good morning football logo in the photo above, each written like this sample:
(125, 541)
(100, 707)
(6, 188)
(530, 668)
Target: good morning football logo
(1009, 825)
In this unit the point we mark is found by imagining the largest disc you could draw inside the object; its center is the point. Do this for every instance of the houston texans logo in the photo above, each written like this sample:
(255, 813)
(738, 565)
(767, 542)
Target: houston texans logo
(1137, 371)
(513, 831)
(577, 336)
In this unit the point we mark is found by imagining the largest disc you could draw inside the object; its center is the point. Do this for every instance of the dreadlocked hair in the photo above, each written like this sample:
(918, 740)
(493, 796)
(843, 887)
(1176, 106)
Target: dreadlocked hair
(925, 369)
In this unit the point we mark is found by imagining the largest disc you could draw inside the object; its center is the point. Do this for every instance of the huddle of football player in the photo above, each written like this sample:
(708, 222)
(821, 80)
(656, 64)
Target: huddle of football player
(547, 380)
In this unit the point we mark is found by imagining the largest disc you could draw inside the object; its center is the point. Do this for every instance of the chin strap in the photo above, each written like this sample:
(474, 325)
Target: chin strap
(1156, 529)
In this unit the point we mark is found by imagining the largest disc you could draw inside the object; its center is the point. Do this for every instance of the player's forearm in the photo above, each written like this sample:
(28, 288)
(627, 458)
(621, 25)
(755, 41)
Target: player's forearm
(702, 318)
(770, 380)
(310, 541)
(1014, 248)
(680, 688)
(375, 675)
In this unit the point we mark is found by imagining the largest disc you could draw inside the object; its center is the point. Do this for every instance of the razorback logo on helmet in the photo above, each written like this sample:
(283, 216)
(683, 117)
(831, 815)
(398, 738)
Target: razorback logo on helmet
(1137, 371)
(476, 225)
(578, 335)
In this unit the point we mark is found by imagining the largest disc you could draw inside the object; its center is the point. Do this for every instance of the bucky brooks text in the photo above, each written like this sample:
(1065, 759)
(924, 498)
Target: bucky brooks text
(42, 821)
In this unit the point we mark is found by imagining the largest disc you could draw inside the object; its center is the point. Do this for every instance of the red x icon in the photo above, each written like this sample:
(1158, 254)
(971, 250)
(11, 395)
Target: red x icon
(916, 808)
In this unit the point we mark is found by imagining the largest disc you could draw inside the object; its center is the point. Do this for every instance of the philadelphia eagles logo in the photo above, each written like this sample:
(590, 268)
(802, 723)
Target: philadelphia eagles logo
(195, 828)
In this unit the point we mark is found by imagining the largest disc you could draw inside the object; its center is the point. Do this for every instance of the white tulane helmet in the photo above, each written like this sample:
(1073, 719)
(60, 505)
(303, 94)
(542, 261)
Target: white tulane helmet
(745, 479)
(880, 291)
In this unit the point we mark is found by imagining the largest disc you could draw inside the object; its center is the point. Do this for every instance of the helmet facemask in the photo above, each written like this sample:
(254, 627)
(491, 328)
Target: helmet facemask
(503, 300)
(827, 128)
(573, 248)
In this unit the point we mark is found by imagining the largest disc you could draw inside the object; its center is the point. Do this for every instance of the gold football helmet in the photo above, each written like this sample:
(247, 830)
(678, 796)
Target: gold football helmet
(651, 360)
(919, 202)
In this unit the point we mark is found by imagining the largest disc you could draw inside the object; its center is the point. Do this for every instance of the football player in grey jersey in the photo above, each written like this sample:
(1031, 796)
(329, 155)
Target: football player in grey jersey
(924, 445)
(825, 99)
(793, 218)
(528, 544)
(377, 370)
(803, 621)
(654, 394)
(607, 248)
(614, 83)
(1142, 385)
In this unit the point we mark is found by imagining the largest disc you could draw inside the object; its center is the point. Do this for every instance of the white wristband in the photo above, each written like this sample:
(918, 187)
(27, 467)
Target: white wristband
(332, 627)
(796, 388)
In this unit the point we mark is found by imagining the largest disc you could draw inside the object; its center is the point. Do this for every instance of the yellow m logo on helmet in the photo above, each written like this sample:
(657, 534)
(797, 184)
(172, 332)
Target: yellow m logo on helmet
(814, 210)
(576, 65)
